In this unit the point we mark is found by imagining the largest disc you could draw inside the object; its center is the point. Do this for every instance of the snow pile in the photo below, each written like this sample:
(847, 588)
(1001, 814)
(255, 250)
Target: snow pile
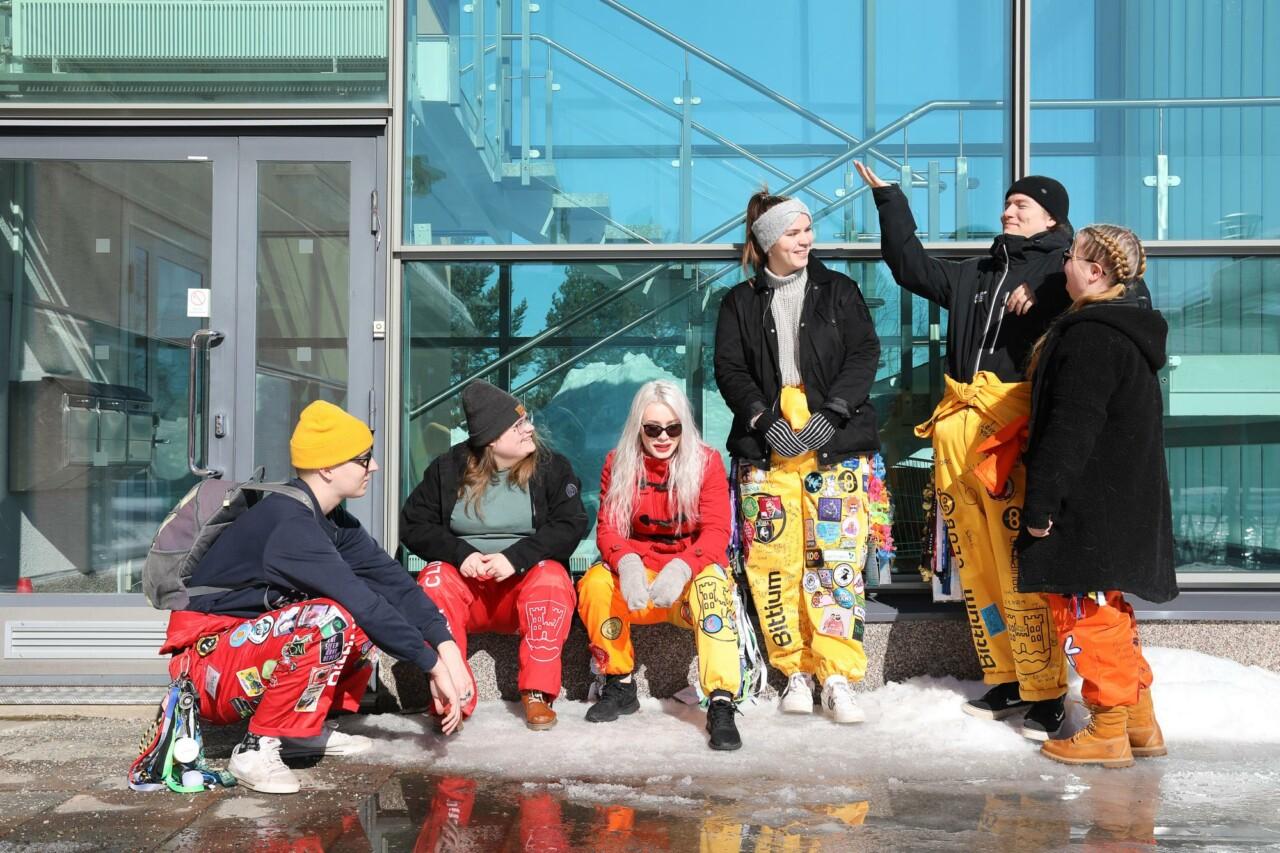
(914, 730)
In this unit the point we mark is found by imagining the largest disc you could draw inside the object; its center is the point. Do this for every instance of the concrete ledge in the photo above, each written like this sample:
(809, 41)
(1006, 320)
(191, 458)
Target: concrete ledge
(934, 644)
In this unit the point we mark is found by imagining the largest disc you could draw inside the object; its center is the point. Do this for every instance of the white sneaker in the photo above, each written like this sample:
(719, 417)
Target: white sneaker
(838, 701)
(798, 699)
(330, 741)
(256, 764)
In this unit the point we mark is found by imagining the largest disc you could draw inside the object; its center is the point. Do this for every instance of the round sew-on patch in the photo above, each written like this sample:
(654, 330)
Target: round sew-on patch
(611, 628)
(571, 490)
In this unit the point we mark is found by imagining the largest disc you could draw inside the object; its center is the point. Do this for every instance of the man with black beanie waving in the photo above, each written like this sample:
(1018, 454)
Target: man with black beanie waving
(998, 307)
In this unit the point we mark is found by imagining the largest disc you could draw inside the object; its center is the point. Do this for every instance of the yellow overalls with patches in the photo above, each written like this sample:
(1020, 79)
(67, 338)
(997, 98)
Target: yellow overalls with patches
(1012, 631)
(805, 528)
(705, 607)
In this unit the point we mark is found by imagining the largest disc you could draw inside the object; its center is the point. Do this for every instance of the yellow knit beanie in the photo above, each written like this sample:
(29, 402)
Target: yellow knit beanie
(326, 436)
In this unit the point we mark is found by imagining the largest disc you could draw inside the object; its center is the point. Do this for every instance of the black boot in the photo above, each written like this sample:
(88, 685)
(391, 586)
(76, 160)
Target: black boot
(720, 724)
(1044, 719)
(997, 703)
(618, 697)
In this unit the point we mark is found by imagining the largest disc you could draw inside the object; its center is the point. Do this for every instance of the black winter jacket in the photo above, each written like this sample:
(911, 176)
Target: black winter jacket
(838, 354)
(559, 518)
(279, 551)
(1095, 458)
(980, 334)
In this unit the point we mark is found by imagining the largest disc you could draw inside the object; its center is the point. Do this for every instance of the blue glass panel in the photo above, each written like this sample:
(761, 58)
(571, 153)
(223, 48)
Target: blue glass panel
(1160, 114)
(588, 122)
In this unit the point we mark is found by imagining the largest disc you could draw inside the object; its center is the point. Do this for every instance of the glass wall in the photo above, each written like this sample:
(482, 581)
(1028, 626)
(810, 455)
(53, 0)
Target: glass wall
(1182, 145)
(612, 328)
(590, 122)
(193, 51)
(98, 261)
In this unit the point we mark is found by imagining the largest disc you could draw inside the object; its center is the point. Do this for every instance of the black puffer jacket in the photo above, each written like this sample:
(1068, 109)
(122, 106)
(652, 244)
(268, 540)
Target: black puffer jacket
(1095, 458)
(559, 518)
(978, 337)
(839, 352)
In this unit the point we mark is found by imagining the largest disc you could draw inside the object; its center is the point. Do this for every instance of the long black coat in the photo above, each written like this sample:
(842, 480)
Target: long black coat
(559, 518)
(1095, 458)
(838, 356)
(981, 334)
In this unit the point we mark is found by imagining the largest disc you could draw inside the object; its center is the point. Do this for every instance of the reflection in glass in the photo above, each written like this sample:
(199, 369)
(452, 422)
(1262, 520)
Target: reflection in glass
(599, 122)
(96, 261)
(304, 253)
(1182, 149)
(1222, 425)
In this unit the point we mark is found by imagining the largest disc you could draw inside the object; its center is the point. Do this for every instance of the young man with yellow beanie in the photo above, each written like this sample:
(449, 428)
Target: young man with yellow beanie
(295, 600)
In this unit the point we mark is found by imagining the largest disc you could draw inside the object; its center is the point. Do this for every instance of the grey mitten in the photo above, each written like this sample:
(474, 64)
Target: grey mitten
(670, 582)
(631, 578)
(817, 432)
(783, 441)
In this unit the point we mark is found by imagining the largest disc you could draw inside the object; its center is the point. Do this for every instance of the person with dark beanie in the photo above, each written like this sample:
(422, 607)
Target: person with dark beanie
(497, 518)
(1097, 522)
(997, 306)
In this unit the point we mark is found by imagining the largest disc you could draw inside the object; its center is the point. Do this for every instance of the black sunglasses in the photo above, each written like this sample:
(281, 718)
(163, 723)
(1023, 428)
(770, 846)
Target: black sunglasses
(363, 459)
(655, 430)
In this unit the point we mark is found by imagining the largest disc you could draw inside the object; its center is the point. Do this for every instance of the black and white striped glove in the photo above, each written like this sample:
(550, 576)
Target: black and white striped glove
(817, 432)
(783, 441)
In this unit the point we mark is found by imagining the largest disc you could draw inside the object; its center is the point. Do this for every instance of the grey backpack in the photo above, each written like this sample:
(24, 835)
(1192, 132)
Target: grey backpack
(189, 530)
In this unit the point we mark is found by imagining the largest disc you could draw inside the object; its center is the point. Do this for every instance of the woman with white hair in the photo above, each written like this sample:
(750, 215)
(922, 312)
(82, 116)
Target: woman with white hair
(663, 532)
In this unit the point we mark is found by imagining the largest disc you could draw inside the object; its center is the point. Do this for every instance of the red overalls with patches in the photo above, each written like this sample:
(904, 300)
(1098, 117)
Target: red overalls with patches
(285, 669)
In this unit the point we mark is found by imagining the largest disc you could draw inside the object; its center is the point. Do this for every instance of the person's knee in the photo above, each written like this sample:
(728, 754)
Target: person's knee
(550, 579)
(597, 583)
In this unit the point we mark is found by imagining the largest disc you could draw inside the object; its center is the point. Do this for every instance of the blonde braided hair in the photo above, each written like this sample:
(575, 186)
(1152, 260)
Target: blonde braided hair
(1120, 254)
(1125, 261)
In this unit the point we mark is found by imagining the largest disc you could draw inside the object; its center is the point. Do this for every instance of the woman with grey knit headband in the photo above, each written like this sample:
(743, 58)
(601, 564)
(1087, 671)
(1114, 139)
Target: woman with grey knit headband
(796, 354)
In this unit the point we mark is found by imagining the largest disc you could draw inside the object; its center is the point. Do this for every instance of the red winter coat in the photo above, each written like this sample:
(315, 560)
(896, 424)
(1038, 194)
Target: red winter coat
(656, 537)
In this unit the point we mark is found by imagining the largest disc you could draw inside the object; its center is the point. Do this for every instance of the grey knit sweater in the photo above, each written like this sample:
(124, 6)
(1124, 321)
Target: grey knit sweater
(788, 298)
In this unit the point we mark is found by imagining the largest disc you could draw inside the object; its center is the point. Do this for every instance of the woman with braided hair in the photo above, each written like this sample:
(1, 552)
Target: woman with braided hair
(1096, 522)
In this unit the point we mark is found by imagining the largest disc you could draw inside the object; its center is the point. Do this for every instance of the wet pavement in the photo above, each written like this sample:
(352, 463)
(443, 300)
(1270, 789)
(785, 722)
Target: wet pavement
(62, 788)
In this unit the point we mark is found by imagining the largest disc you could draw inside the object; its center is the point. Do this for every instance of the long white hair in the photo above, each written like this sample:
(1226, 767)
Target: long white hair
(627, 474)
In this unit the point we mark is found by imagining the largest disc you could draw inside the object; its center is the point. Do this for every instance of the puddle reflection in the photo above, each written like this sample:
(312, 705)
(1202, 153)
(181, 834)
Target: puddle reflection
(1103, 811)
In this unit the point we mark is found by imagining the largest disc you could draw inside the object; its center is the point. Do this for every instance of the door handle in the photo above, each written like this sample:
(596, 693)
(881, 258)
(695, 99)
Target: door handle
(202, 340)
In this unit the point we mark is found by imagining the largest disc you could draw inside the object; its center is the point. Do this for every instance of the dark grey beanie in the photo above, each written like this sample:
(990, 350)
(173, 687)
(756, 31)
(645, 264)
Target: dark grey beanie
(490, 412)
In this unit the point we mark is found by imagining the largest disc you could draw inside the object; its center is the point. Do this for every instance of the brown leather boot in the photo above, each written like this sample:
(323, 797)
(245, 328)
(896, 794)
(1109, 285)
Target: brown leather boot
(537, 710)
(1145, 738)
(1104, 741)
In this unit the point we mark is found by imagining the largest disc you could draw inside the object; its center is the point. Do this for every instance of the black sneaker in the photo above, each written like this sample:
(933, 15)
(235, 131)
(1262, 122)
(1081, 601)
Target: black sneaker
(1044, 719)
(720, 724)
(997, 703)
(616, 698)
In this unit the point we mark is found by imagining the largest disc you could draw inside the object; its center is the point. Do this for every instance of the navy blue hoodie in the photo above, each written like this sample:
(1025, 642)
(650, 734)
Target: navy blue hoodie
(279, 551)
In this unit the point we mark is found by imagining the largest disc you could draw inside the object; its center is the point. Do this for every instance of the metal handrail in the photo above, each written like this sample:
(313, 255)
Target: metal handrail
(813, 174)
(658, 105)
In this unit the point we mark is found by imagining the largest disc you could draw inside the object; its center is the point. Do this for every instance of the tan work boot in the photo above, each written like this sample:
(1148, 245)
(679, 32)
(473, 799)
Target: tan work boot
(537, 710)
(1104, 741)
(1145, 738)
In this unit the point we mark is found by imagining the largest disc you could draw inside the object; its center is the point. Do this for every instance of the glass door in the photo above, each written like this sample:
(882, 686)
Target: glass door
(109, 269)
(308, 224)
(168, 307)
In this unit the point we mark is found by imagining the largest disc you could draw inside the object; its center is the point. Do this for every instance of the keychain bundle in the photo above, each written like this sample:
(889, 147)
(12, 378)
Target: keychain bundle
(172, 751)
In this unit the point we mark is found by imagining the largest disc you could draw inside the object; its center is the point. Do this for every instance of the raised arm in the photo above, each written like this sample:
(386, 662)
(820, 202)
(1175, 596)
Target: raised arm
(911, 265)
